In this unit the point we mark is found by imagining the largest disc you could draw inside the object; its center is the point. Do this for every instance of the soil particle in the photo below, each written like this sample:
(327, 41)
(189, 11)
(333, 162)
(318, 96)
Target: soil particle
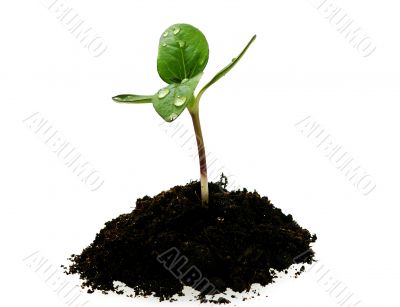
(171, 240)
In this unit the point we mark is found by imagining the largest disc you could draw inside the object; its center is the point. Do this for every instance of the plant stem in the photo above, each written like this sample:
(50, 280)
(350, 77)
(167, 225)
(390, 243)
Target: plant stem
(202, 154)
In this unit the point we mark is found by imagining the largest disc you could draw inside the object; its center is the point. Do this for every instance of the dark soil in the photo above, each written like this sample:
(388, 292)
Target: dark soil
(171, 240)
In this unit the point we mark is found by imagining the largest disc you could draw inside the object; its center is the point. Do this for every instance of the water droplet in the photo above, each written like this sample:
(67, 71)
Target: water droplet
(164, 45)
(185, 80)
(163, 92)
(176, 30)
(180, 100)
(173, 116)
(181, 44)
(165, 34)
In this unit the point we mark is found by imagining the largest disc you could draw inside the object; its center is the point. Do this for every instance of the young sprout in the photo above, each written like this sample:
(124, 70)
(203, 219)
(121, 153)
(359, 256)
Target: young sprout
(182, 57)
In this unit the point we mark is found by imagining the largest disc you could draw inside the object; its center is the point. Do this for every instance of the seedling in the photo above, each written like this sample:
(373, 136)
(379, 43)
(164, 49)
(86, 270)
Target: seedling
(182, 57)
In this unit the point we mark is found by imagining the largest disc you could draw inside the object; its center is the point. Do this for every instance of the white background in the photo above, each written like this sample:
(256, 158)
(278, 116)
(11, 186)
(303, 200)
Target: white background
(299, 66)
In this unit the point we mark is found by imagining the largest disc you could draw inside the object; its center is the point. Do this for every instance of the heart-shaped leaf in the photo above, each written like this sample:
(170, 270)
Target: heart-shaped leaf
(182, 53)
(131, 98)
(170, 101)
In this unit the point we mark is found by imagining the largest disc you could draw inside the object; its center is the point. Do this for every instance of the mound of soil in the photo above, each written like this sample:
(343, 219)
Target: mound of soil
(172, 240)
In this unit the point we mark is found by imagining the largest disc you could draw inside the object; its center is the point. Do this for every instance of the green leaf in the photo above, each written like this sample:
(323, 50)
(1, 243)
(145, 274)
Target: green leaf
(182, 53)
(130, 98)
(170, 101)
(224, 71)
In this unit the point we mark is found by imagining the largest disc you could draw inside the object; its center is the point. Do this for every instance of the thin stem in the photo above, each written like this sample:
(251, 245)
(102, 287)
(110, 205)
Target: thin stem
(202, 154)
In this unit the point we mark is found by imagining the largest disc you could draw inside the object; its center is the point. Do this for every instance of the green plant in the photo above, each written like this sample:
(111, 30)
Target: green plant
(182, 57)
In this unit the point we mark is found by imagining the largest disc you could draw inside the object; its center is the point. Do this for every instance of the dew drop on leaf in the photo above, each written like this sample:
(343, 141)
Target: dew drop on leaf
(185, 80)
(164, 44)
(181, 44)
(176, 30)
(163, 92)
(180, 100)
(165, 34)
(173, 116)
